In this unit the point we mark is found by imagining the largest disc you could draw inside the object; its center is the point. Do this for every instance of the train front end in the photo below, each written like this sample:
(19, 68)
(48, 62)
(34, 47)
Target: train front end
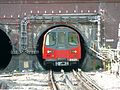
(61, 47)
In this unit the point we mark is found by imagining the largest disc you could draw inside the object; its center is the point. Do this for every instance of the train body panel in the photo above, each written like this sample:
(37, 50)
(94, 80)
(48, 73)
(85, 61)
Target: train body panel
(73, 53)
(61, 47)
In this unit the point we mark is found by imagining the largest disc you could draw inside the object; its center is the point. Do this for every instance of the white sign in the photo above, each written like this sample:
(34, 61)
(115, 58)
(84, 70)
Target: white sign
(109, 40)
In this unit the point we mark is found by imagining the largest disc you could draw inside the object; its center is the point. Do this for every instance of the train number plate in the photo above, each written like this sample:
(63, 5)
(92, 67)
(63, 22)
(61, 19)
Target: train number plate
(61, 63)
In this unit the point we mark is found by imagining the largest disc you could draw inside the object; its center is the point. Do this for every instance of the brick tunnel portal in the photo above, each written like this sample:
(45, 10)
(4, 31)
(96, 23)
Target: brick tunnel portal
(40, 44)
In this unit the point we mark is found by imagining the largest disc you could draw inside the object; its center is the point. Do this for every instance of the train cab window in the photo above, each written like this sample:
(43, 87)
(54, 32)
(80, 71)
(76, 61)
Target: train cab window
(61, 38)
(73, 38)
(51, 38)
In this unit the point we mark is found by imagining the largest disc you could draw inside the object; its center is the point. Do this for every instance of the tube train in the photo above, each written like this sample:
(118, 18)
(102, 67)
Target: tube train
(61, 47)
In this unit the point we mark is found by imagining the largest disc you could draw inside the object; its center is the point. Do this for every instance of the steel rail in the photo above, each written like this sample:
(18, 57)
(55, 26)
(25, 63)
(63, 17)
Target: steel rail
(67, 81)
(83, 82)
(86, 81)
(52, 80)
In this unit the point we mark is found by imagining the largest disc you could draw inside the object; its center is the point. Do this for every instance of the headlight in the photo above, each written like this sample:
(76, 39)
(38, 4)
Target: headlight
(50, 51)
(73, 51)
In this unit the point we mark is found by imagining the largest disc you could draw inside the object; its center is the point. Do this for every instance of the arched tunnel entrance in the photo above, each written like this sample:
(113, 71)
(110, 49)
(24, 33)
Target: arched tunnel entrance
(5, 50)
(40, 43)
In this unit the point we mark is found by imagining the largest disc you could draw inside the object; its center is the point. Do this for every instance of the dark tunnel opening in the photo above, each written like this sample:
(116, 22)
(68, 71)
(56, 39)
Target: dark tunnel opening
(40, 43)
(5, 50)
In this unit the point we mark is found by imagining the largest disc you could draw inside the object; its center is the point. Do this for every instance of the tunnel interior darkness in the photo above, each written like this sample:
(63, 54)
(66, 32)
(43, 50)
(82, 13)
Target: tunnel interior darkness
(5, 50)
(40, 43)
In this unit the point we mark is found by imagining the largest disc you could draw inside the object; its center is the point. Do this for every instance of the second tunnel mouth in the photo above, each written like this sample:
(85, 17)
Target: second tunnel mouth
(5, 50)
(40, 43)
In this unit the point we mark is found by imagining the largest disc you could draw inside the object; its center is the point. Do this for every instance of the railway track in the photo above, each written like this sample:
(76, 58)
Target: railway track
(86, 82)
(53, 84)
(50, 80)
(75, 80)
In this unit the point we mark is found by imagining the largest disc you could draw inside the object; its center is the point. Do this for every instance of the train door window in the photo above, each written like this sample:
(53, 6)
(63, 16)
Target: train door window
(73, 38)
(61, 37)
(51, 38)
